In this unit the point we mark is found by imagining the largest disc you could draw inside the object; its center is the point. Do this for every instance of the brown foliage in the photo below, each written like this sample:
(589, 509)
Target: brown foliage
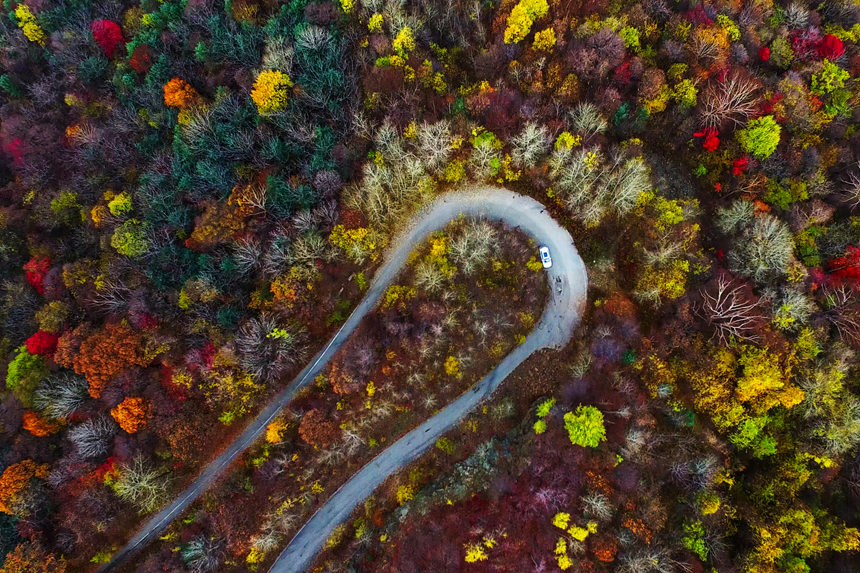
(221, 223)
(107, 353)
(317, 429)
(341, 381)
(69, 345)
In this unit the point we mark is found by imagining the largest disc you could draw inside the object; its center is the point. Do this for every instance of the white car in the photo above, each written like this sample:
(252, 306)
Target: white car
(545, 258)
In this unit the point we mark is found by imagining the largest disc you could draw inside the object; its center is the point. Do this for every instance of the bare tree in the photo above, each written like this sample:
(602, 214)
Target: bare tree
(60, 395)
(843, 312)
(531, 144)
(203, 553)
(730, 311)
(851, 193)
(92, 438)
(735, 99)
(142, 485)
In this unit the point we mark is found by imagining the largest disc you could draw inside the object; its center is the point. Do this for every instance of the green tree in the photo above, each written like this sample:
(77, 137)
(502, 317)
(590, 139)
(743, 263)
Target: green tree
(585, 427)
(694, 539)
(760, 137)
(24, 373)
(130, 238)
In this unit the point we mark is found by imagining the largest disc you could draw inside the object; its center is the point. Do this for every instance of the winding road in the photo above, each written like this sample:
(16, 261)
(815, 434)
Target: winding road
(568, 284)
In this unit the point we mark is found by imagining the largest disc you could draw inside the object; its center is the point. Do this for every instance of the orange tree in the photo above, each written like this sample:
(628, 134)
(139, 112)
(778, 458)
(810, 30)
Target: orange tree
(39, 426)
(14, 482)
(30, 557)
(178, 93)
(130, 414)
(107, 353)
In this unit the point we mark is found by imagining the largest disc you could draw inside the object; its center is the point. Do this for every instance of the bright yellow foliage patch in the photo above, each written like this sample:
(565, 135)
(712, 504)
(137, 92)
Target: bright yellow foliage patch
(28, 24)
(522, 17)
(270, 91)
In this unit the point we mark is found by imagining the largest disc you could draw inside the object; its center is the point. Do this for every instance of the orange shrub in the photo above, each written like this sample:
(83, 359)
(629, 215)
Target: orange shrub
(130, 414)
(39, 426)
(178, 93)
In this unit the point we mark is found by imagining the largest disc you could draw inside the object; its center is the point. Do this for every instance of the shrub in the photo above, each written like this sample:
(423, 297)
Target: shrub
(270, 91)
(760, 137)
(585, 426)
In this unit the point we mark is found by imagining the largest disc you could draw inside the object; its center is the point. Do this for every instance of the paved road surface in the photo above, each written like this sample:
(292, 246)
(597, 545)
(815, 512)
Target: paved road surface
(553, 330)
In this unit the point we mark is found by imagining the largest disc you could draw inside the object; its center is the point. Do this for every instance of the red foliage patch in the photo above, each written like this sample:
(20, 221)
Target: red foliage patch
(107, 35)
(764, 53)
(35, 271)
(14, 149)
(141, 59)
(175, 391)
(352, 218)
(711, 139)
(740, 165)
(42, 343)
(847, 267)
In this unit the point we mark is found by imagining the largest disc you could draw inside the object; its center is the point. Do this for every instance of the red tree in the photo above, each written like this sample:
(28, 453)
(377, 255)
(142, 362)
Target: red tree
(141, 59)
(847, 267)
(35, 271)
(42, 343)
(831, 47)
(107, 35)
(107, 353)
